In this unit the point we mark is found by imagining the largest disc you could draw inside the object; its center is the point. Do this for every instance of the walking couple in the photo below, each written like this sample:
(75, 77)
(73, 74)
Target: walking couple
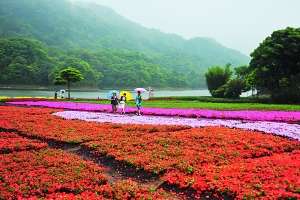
(121, 103)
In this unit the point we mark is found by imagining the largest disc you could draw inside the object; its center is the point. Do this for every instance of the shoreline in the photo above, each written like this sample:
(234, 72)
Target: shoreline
(93, 89)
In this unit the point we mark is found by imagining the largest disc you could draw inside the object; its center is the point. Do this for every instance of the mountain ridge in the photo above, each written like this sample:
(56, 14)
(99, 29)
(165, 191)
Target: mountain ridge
(67, 26)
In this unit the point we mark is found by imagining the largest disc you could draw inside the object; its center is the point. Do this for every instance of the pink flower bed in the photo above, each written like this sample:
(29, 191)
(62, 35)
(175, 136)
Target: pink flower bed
(253, 115)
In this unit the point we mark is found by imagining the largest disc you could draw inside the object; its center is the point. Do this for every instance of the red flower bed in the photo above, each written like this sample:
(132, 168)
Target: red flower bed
(40, 122)
(122, 190)
(28, 173)
(271, 177)
(188, 148)
(57, 175)
(10, 142)
(244, 163)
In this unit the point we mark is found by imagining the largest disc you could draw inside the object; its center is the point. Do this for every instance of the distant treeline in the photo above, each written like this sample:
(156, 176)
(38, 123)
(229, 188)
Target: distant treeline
(39, 37)
(27, 61)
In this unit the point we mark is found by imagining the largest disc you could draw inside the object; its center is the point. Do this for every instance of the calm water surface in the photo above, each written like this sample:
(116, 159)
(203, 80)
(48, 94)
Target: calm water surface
(103, 93)
(100, 93)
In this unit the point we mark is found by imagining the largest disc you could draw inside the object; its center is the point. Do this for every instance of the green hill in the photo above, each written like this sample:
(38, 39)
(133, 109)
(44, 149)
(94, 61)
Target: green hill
(120, 52)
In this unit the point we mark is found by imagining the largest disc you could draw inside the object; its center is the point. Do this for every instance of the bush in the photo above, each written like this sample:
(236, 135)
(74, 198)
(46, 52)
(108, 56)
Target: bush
(234, 88)
(216, 77)
(219, 93)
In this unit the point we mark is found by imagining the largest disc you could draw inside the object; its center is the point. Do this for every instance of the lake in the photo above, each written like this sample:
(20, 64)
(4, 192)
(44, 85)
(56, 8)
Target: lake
(102, 93)
(96, 94)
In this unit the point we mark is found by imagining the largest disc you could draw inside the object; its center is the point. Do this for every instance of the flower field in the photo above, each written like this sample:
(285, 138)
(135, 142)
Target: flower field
(281, 116)
(53, 174)
(41, 122)
(10, 142)
(278, 128)
(39, 173)
(189, 154)
(274, 177)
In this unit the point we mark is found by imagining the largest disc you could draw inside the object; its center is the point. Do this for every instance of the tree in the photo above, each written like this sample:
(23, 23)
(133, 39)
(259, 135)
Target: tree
(91, 76)
(276, 65)
(216, 77)
(67, 76)
(234, 88)
(245, 77)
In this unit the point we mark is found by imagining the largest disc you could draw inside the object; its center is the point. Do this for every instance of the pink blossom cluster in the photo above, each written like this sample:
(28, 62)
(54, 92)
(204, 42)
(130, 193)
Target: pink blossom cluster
(253, 115)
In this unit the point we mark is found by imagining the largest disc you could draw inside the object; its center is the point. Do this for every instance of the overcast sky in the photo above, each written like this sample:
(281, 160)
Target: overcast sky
(238, 24)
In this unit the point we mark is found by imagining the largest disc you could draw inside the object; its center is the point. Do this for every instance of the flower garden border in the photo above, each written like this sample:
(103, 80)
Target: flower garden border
(121, 170)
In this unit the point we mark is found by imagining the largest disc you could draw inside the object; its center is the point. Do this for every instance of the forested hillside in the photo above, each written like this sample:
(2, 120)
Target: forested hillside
(39, 37)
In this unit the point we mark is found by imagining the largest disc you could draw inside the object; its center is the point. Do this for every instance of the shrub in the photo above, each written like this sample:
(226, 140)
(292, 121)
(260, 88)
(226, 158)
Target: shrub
(233, 88)
(216, 77)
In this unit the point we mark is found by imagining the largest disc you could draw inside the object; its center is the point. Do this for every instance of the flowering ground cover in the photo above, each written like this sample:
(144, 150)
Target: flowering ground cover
(41, 123)
(254, 115)
(248, 164)
(274, 177)
(158, 152)
(57, 175)
(29, 173)
(203, 103)
(243, 163)
(10, 142)
(278, 128)
(185, 102)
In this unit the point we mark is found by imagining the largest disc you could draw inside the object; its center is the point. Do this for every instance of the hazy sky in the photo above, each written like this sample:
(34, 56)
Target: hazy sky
(239, 24)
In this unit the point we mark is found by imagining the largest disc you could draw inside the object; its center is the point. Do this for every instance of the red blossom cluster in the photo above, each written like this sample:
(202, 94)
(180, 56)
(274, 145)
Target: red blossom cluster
(38, 173)
(245, 164)
(242, 163)
(121, 190)
(10, 142)
(40, 122)
(53, 174)
(273, 177)
(183, 149)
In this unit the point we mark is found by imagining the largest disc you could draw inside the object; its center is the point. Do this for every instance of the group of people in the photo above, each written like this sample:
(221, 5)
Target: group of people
(121, 102)
(59, 94)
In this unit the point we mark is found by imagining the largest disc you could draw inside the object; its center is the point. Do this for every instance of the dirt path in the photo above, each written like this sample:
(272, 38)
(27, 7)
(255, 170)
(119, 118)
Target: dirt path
(114, 170)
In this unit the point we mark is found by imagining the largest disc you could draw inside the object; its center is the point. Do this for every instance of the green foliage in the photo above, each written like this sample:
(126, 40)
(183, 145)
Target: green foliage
(123, 68)
(246, 77)
(219, 92)
(68, 75)
(234, 88)
(216, 77)
(222, 84)
(275, 65)
(24, 61)
(111, 51)
(241, 71)
(58, 80)
(92, 76)
(71, 74)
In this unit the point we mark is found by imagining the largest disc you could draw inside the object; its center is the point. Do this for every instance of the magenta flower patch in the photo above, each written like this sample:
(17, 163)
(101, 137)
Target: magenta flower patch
(252, 115)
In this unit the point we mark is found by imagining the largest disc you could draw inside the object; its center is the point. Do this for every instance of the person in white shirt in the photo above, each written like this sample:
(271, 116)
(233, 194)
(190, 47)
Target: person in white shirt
(62, 94)
(122, 103)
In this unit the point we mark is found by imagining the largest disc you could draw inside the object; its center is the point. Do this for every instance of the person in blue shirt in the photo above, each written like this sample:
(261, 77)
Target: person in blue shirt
(138, 102)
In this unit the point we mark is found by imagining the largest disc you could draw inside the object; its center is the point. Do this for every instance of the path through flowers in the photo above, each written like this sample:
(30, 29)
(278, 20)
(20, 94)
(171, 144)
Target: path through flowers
(283, 129)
